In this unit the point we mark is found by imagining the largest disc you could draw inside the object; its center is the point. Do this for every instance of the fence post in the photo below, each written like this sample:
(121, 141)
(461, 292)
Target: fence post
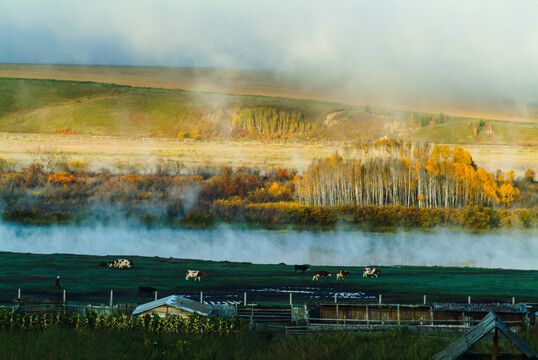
(513, 300)
(398, 314)
(245, 298)
(495, 349)
(18, 293)
(379, 298)
(291, 298)
(201, 296)
(64, 296)
(111, 297)
(335, 298)
(469, 299)
(155, 295)
(424, 299)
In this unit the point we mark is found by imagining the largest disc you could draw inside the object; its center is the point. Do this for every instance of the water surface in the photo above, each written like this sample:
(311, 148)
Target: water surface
(513, 250)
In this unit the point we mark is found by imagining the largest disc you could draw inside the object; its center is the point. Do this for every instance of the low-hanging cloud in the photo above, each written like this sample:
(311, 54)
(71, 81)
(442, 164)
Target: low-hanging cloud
(512, 250)
(400, 54)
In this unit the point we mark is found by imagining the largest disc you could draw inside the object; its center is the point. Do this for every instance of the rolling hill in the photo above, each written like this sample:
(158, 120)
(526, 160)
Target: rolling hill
(52, 106)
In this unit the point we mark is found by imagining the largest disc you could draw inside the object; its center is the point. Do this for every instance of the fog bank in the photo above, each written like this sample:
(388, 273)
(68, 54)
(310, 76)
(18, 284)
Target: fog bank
(473, 55)
(442, 248)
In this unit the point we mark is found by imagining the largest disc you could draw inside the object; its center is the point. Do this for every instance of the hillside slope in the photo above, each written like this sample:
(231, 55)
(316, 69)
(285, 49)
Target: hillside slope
(50, 106)
(300, 85)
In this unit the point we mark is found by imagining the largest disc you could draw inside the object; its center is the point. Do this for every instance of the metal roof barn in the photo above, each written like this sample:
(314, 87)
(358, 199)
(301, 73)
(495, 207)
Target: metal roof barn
(173, 305)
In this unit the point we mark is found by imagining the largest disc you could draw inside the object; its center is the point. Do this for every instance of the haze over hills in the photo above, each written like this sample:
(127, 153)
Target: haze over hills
(277, 83)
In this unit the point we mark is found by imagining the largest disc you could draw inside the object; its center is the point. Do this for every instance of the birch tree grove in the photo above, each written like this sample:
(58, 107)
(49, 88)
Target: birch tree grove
(390, 173)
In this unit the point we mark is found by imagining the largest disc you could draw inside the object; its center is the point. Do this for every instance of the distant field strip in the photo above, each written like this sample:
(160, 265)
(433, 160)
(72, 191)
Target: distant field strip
(105, 151)
(51, 137)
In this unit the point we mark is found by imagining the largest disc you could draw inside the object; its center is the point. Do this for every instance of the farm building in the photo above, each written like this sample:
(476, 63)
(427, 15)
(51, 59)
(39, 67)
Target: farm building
(173, 305)
(427, 314)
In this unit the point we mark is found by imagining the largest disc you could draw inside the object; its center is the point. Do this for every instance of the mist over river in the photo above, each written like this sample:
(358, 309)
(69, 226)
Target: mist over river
(511, 250)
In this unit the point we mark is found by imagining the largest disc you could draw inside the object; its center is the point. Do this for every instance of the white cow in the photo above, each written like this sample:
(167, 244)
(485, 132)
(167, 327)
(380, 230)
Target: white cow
(120, 263)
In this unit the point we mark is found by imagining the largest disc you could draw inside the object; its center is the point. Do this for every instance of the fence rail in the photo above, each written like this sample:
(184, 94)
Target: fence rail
(428, 322)
(323, 324)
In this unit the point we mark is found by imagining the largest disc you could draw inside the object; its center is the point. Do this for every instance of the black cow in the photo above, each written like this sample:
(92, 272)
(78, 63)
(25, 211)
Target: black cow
(302, 268)
(146, 290)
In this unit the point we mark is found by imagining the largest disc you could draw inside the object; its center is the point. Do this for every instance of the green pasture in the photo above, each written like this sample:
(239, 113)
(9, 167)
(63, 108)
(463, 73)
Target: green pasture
(461, 132)
(88, 281)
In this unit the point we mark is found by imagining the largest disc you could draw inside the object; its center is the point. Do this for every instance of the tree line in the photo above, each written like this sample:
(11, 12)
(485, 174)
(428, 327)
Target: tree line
(269, 121)
(390, 173)
(381, 186)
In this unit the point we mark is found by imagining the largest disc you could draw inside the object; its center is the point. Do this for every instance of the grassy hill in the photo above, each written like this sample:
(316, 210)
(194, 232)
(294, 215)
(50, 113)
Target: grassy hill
(49, 106)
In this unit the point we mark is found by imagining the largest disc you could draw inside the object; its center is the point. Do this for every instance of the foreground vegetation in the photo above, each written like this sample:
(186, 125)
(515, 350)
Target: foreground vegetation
(67, 340)
(61, 343)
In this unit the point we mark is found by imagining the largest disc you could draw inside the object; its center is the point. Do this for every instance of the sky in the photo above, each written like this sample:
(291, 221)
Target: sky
(466, 49)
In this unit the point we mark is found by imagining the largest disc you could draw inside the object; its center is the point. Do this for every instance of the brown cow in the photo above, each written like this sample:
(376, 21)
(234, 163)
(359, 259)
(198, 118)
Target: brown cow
(320, 274)
(195, 274)
(342, 274)
(371, 271)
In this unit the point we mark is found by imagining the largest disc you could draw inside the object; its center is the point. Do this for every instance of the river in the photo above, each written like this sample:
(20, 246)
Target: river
(510, 250)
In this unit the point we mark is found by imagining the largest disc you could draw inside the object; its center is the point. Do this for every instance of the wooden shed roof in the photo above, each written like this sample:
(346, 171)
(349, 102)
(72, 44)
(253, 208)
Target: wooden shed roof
(178, 302)
(490, 322)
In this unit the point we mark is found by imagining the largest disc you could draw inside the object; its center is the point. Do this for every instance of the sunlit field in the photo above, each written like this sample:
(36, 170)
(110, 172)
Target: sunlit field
(142, 154)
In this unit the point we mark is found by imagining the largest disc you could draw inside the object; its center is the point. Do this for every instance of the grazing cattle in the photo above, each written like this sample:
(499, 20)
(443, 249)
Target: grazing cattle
(146, 290)
(302, 268)
(342, 274)
(120, 264)
(371, 271)
(320, 274)
(195, 274)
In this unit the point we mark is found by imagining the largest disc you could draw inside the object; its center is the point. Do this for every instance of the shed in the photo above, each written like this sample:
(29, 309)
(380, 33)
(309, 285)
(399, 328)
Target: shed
(432, 314)
(173, 305)
(458, 348)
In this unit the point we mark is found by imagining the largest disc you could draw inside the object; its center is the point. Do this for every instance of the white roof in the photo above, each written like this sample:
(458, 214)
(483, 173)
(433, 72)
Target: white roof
(178, 302)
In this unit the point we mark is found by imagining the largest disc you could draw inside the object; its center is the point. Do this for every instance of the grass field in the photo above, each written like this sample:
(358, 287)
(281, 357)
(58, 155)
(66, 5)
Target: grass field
(88, 281)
